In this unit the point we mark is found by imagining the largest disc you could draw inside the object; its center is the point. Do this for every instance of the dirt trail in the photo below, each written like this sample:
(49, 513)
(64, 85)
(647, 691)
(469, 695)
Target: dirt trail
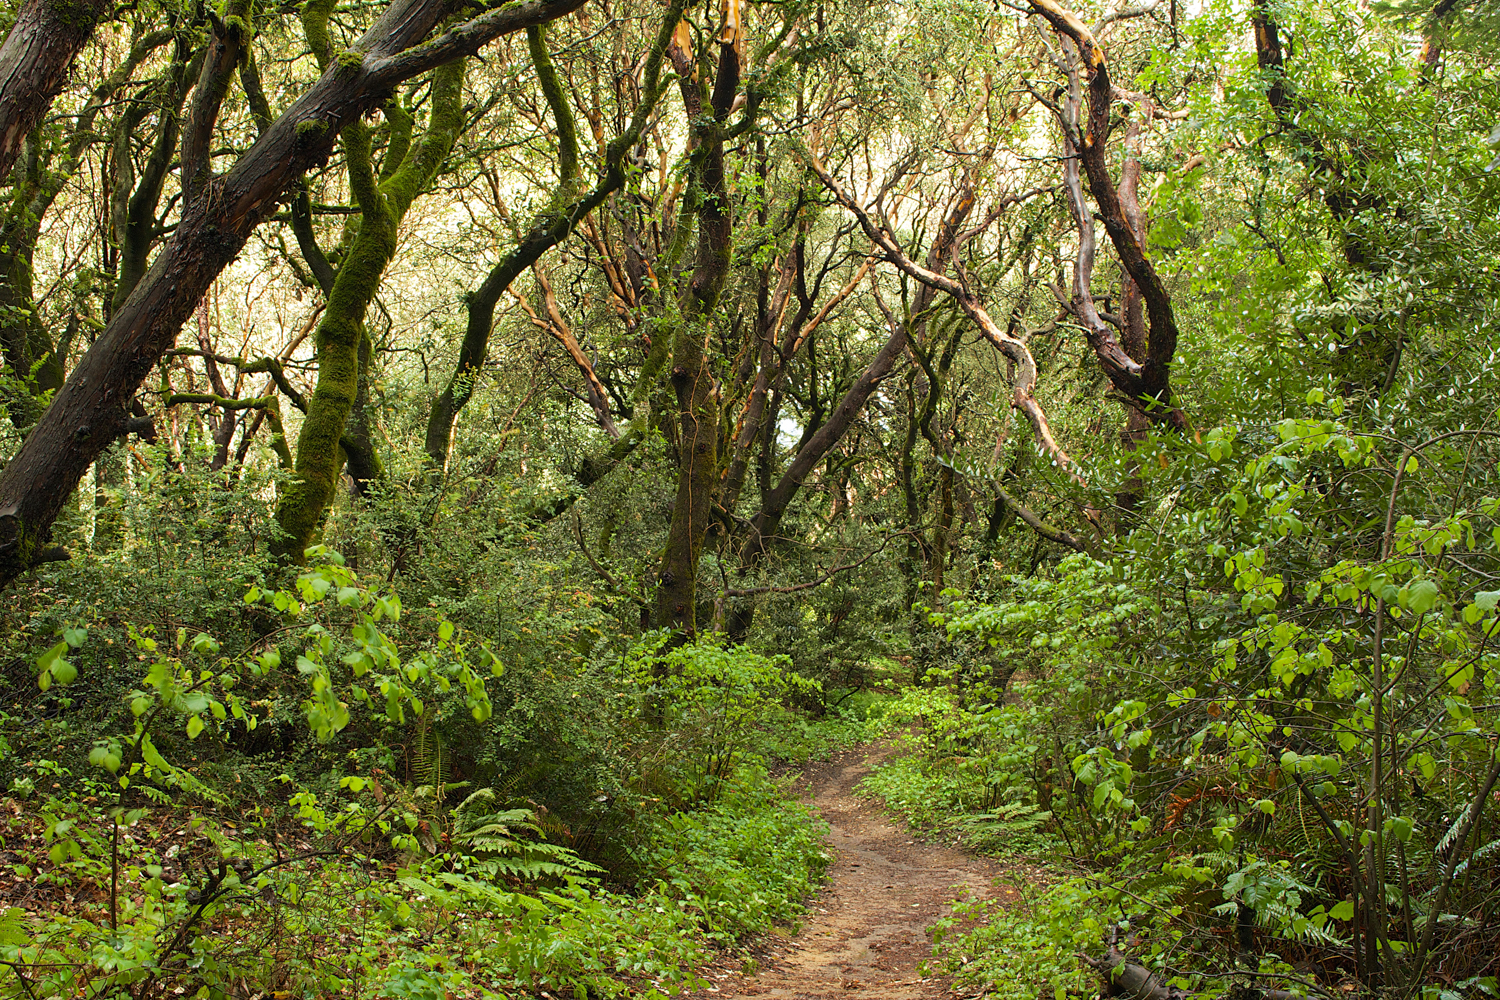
(866, 932)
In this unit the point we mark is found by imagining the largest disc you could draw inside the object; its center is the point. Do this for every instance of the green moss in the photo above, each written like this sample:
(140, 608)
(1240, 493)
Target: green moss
(310, 127)
(320, 458)
(75, 14)
(349, 62)
(315, 14)
(17, 546)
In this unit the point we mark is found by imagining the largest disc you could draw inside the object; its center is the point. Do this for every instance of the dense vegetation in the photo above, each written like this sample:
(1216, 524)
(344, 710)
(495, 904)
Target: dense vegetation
(459, 457)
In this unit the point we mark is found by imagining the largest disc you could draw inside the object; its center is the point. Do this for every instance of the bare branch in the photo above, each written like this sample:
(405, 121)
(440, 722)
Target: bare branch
(1023, 375)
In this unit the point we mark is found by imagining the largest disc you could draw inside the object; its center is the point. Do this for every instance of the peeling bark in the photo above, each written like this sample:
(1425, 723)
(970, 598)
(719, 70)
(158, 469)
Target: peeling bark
(1147, 382)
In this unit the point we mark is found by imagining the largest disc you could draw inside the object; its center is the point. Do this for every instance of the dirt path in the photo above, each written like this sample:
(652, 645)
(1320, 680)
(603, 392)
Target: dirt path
(866, 932)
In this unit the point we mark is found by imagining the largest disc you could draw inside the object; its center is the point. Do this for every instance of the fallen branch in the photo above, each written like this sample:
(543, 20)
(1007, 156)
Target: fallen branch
(1131, 980)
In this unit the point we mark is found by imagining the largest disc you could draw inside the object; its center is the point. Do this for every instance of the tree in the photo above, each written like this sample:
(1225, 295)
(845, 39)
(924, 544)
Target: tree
(35, 58)
(218, 215)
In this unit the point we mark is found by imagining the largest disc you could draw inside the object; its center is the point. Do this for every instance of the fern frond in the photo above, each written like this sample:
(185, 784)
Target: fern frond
(1448, 838)
(497, 841)
(1493, 847)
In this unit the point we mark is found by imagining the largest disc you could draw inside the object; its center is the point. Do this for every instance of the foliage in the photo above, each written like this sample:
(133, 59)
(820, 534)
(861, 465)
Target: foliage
(656, 467)
(333, 920)
(514, 908)
(1218, 765)
(716, 697)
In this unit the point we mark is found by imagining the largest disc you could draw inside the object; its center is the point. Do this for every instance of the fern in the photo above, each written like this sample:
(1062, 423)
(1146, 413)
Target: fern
(428, 760)
(1493, 847)
(1285, 922)
(497, 840)
(1005, 824)
(455, 889)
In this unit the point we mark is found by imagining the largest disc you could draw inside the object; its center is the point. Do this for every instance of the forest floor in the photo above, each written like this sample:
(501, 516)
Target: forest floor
(865, 933)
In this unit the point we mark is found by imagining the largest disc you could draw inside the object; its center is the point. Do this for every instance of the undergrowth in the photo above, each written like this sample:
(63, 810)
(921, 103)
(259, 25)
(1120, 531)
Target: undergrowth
(939, 780)
(501, 918)
(144, 873)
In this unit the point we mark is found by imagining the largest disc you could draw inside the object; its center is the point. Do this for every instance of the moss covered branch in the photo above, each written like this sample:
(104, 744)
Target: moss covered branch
(268, 405)
(341, 333)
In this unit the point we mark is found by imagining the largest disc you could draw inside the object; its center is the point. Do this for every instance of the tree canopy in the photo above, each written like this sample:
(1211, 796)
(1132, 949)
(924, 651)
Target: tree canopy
(1134, 364)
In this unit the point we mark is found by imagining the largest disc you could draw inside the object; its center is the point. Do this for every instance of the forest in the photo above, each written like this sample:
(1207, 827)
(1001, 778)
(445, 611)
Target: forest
(598, 498)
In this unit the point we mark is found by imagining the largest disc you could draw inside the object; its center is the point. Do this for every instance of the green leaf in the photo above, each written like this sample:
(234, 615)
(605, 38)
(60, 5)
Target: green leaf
(44, 662)
(1424, 763)
(1422, 596)
(74, 636)
(64, 672)
(445, 630)
(1342, 910)
(194, 726)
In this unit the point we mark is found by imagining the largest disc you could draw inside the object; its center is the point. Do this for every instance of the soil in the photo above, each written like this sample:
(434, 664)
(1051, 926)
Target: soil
(865, 934)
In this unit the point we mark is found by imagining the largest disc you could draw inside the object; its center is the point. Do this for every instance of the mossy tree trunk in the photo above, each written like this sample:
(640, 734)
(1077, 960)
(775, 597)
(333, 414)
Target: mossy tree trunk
(134, 200)
(341, 336)
(35, 58)
(694, 387)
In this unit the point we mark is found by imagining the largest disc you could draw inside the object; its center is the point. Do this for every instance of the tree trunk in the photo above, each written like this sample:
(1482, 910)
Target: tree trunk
(90, 411)
(109, 502)
(341, 333)
(1132, 330)
(34, 62)
(693, 383)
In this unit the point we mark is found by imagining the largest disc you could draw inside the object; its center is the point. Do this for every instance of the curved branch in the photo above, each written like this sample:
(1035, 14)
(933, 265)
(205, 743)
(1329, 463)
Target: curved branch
(1150, 383)
(1023, 376)
(1034, 521)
